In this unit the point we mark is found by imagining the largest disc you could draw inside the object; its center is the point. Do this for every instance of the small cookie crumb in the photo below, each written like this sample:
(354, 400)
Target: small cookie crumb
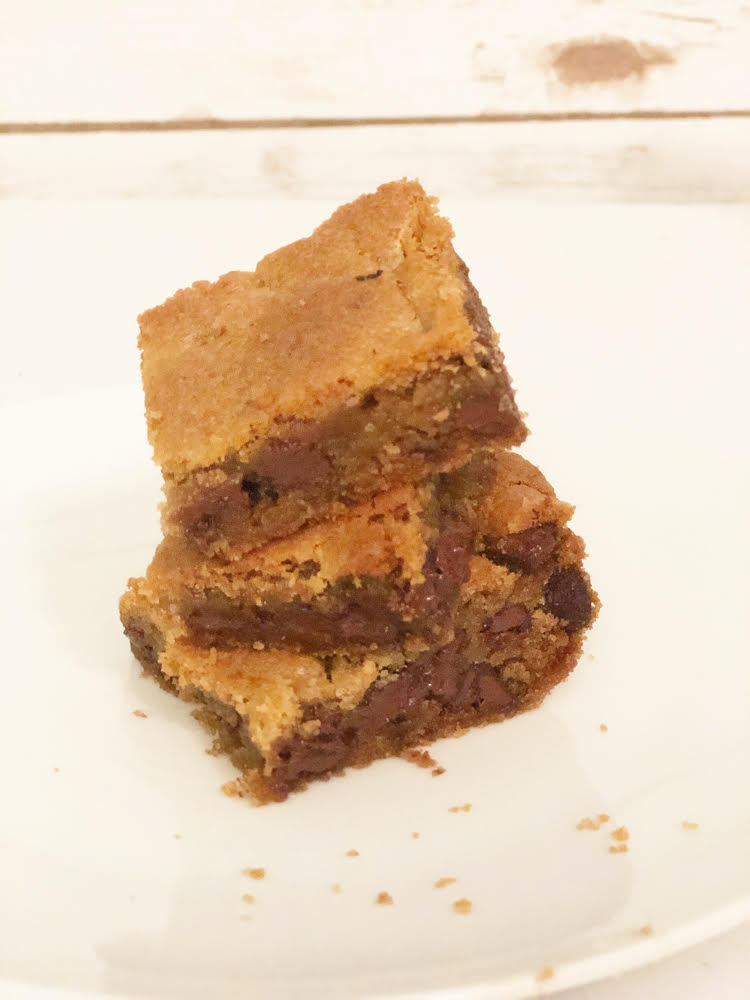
(442, 882)
(256, 873)
(462, 906)
(177, 836)
(415, 836)
(384, 899)
(437, 771)
(230, 789)
(546, 972)
(689, 825)
(139, 714)
(466, 807)
(336, 887)
(587, 823)
(352, 853)
(618, 848)
(604, 727)
(244, 917)
(419, 757)
(56, 770)
(647, 930)
(247, 898)
(621, 833)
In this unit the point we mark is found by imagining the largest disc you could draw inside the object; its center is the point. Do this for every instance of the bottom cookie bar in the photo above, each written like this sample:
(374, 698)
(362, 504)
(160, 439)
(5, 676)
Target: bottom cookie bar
(287, 718)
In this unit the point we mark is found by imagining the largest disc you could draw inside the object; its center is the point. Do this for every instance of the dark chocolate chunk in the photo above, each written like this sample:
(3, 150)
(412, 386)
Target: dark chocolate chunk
(204, 518)
(290, 462)
(348, 617)
(511, 618)
(566, 595)
(308, 568)
(446, 570)
(492, 695)
(258, 488)
(478, 413)
(369, 277)
(437, 682)
(525, 551)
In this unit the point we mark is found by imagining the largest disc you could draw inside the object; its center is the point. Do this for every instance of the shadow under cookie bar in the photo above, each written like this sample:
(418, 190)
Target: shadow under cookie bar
(356, 359)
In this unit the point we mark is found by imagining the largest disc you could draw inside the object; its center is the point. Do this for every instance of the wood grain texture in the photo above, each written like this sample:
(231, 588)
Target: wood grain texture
(678, 160)
(166, 60)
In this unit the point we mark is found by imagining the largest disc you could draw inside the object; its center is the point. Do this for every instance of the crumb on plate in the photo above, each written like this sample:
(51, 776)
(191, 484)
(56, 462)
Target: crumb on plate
(592, 823)
(384, 899)
(419, 757)
(256, 873)
(462, 906)
(442, 882)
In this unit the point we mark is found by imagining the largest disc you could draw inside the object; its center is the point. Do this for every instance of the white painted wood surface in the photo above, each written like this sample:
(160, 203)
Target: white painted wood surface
(676, 160)
(156, 60)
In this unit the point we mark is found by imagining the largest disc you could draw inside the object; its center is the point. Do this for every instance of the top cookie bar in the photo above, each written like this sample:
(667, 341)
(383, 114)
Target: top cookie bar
(358, 358)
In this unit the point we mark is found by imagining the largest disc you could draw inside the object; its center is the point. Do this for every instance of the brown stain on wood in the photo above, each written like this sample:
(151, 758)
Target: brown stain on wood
(585, 61)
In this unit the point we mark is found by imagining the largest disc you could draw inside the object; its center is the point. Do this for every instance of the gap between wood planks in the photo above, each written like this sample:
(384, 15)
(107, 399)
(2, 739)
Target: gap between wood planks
(218, 124)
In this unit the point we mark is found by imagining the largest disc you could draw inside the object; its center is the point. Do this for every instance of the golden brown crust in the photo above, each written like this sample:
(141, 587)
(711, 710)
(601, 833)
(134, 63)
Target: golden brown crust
(224, 363)
(519, 497)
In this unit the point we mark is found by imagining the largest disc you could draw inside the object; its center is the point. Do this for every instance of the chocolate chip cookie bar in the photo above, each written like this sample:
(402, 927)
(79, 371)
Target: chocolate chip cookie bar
(356, 359)
(389, 569)
(288, 716)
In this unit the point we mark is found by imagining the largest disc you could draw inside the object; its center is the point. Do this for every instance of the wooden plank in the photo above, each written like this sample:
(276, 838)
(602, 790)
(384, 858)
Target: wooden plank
(676, 160)
(176, 59)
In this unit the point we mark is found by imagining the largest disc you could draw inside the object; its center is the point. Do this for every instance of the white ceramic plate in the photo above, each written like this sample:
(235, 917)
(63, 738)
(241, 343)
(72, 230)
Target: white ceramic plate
(644, 425)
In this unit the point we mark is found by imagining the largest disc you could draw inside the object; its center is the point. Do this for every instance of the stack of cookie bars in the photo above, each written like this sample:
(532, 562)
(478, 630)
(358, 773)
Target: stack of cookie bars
(354, 561)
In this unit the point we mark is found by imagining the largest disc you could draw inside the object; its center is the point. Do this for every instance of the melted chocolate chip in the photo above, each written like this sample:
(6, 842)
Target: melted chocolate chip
(358, 618)
(369, 277)
(258, 488)
(446, 569)
(525, 551)
(308, 568)
(290, 462)
(511, 618)
(567, 596)
(437, 683)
